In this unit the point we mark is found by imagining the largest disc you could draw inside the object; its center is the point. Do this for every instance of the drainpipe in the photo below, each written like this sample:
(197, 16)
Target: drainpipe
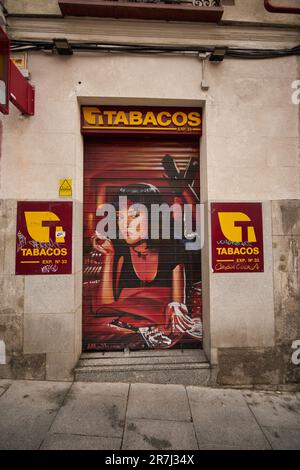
(277, 9)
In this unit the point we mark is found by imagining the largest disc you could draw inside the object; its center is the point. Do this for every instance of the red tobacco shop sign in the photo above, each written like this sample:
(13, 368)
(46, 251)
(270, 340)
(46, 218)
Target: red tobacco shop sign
(44, 238)
(237, 237)
(122, 119)
(13, 86)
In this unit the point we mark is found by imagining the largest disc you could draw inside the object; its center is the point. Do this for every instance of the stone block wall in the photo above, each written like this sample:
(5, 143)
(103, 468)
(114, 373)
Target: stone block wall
(40, 318)
(12, 294)
(274, 367)
(286, 249)
(249, 152)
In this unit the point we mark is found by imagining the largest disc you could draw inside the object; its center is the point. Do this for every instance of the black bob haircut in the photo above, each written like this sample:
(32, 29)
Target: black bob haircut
(146, 194)
(140, 193)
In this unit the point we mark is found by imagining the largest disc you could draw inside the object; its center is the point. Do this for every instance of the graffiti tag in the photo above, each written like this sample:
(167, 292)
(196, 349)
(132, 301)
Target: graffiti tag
(21, 241)
(45, 245)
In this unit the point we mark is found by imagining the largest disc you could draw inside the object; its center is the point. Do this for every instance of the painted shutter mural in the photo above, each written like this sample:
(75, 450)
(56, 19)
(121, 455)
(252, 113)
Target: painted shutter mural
(128, 294)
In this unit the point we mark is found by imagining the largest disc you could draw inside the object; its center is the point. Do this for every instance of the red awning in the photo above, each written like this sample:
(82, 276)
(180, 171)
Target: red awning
(13, 86)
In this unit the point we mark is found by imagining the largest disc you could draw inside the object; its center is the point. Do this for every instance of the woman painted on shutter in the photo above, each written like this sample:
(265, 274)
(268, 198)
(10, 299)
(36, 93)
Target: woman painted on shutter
(141, 297)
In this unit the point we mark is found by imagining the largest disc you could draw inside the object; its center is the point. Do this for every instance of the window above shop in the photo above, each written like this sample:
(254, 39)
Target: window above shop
(209, 11)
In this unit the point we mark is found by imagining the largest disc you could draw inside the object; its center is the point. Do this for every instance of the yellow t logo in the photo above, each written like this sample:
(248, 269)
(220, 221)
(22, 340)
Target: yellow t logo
(236, 227)
(92, 115)
(37, 228)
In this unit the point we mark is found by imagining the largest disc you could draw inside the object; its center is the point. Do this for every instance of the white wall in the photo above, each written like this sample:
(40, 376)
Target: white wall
(249, 153)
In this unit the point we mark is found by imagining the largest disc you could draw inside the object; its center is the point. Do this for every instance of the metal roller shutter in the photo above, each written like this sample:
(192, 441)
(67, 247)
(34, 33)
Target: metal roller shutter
(135, 318)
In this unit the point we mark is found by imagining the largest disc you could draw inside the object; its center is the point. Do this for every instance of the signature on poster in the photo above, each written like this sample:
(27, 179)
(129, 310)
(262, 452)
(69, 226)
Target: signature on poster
(21, 241)
(229, 242)
(237, 267)
(49, 268)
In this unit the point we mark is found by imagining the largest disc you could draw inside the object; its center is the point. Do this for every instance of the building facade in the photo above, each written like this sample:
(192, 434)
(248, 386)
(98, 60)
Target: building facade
(218, 94)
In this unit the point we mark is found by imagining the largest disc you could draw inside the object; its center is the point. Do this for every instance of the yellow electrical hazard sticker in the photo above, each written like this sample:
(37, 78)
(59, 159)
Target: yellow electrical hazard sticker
(65, 187)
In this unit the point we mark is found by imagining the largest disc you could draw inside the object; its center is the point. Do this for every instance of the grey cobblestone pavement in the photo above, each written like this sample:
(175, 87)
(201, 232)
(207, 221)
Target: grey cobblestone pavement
(65, 415)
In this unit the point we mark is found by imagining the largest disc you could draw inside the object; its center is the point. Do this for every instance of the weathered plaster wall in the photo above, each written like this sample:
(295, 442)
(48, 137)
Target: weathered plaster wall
(40, 317)
(253, 155)
(274, 365)
(249, 152)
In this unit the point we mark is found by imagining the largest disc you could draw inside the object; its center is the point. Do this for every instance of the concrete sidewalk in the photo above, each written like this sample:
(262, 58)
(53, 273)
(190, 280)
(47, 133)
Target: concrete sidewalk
(63, 415)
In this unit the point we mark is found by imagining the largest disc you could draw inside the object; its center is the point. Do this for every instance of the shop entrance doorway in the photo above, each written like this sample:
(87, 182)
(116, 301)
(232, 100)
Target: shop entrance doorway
(141, 292)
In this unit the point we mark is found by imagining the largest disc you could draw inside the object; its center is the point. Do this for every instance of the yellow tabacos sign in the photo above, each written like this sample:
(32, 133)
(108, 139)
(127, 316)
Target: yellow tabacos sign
(44, 252)
(238, 251)
(97, 118)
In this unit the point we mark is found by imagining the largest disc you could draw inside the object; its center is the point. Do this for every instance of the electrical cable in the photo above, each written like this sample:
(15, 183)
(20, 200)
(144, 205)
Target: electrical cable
(18, 45)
